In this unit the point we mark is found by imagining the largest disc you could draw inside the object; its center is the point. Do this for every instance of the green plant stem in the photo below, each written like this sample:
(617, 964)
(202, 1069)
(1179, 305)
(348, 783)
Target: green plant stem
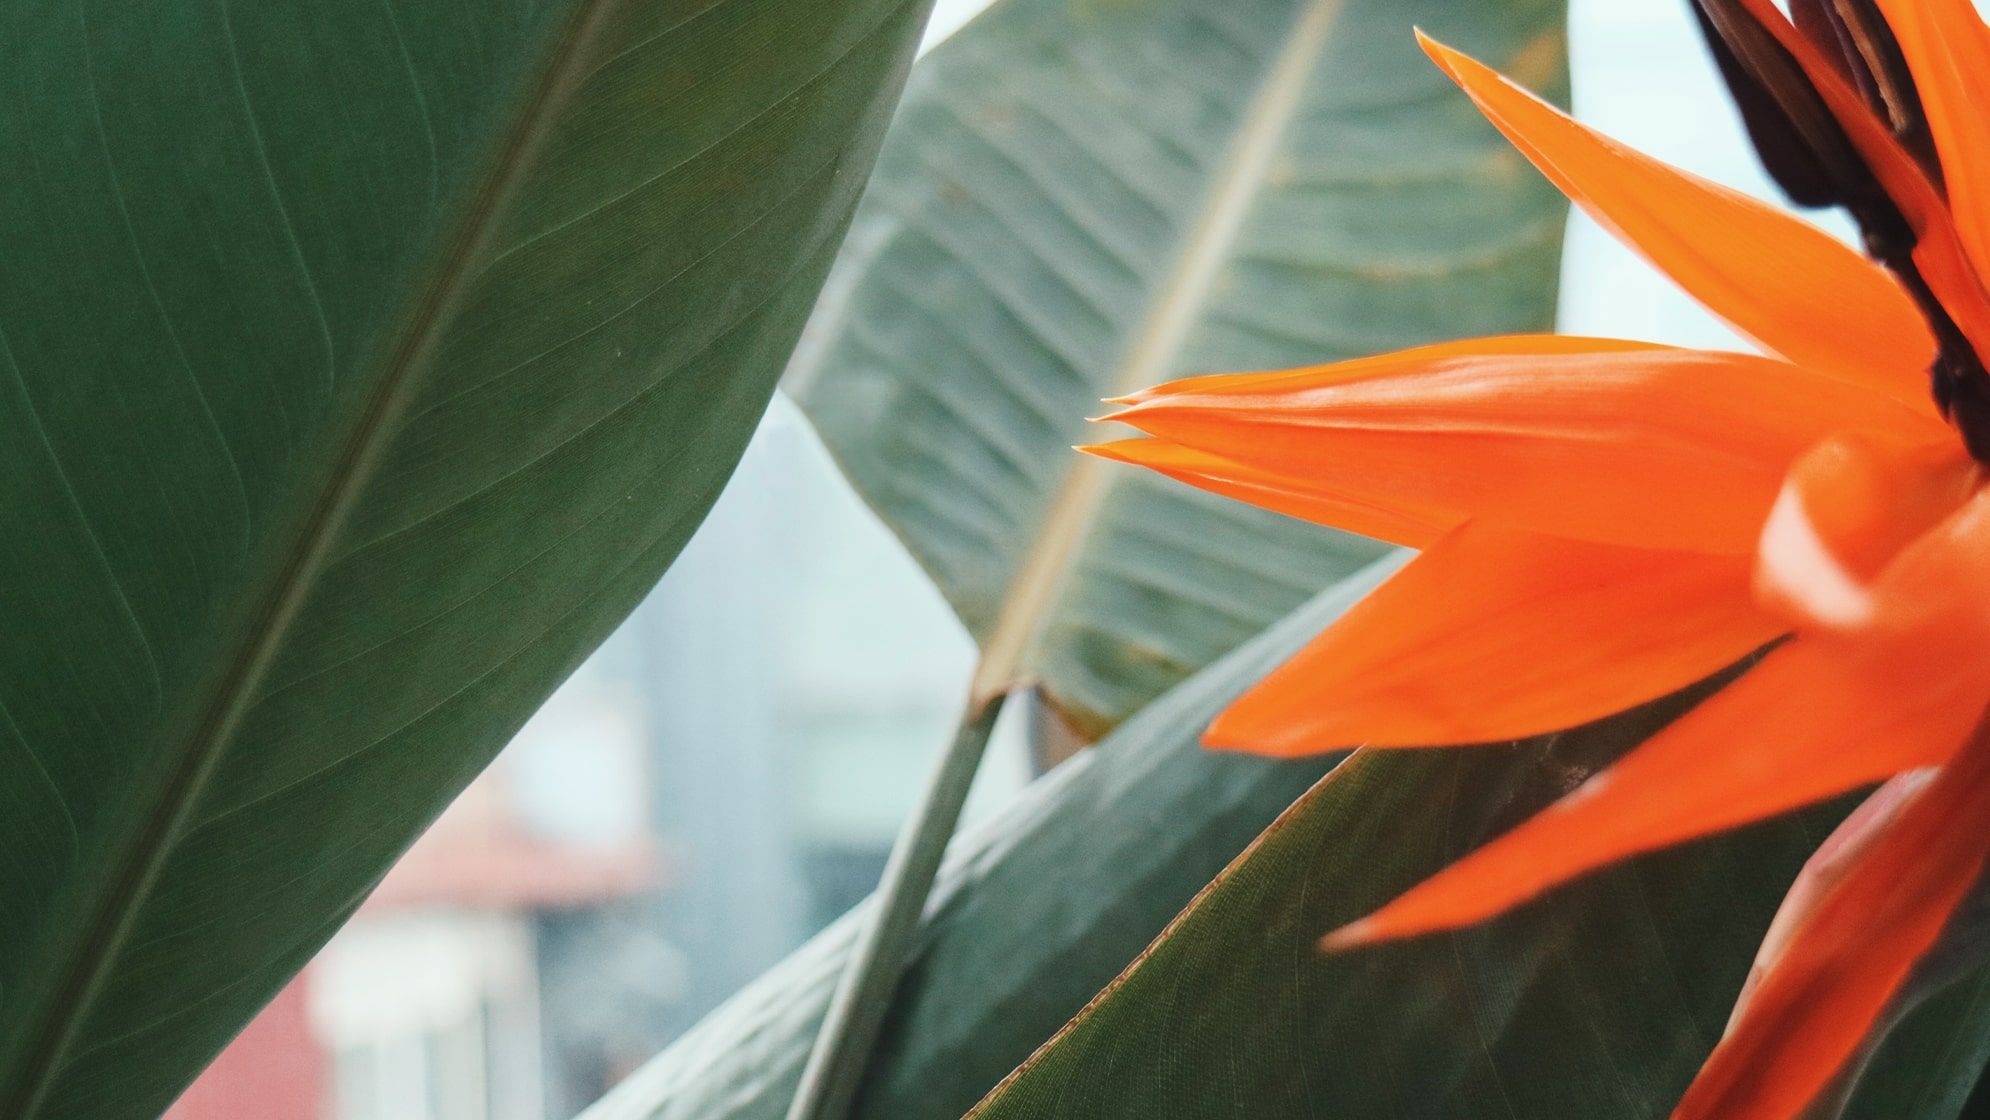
(856, 1011)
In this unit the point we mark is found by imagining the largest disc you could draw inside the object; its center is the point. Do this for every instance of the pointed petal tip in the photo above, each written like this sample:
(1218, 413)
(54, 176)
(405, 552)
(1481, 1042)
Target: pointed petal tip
(1354, 935)
(1127, 451)
(1223, 729)
(1219, 739)
(1261, 737)
(1447, 57)
(1235, 730)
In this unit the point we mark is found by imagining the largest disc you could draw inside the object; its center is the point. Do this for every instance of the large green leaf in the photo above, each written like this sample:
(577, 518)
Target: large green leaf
(1035, 910)
(361, 364)
(1597, 1002)
(1600, 1000)
(1081, 197)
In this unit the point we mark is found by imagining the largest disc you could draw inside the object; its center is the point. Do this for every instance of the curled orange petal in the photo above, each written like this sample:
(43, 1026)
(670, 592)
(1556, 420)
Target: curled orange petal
(1847, 509)
(1645, 446)
(1495, 634)
(1783, 283)
(1931, 595)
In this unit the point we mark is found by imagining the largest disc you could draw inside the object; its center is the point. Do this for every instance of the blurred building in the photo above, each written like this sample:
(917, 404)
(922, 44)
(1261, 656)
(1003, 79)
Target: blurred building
(720, 780)
(427, 1005)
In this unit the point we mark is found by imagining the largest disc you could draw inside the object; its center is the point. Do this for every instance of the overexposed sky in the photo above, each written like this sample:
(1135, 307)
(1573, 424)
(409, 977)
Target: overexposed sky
(1643, 75)
(948, 15)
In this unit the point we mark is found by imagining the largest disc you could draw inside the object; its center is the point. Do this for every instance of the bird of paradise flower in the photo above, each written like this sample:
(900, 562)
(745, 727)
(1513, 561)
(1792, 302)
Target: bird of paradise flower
(1604, 522)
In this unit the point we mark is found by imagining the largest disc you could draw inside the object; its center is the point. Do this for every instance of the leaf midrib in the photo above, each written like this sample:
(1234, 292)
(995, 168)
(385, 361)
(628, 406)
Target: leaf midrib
(137, 863)
(1149, 355)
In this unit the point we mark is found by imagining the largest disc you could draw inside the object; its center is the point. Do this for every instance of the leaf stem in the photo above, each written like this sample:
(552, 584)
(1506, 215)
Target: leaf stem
(856, 1011)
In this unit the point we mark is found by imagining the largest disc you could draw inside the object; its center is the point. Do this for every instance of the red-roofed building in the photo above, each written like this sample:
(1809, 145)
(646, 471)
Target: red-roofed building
(426, 1006)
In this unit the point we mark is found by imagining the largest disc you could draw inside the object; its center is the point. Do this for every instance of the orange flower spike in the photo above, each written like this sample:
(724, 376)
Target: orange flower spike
(1782, 283)
(1493, 634)
(1604, 522)
(1643, 446)
(1814, 719)
(1271, 491)
(1380, 365)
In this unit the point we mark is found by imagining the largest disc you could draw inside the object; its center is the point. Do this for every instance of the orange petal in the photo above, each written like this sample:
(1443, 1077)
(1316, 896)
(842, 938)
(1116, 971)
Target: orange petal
(1931, 596)
(1827, 867)
(1495, 634)
(1817, 717)
(1266, 490)
(1385, 365)
(1612, 442)
(1783, 283)
(1948, 50)
(1847, 509)
(1845, 963)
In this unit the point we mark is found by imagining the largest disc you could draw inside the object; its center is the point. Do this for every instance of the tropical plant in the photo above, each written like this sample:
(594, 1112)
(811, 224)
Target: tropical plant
(886, 367)
(1233, 1010)
(1820, 499)
(363, 366)
(1059, 216)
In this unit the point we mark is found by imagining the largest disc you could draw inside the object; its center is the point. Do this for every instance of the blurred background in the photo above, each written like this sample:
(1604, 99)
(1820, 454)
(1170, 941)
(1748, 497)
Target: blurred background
(726, 774)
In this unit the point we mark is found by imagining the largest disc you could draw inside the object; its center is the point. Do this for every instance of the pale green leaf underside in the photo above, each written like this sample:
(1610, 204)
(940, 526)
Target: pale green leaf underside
(1035, 910)
(1082, 196)
(361, 364)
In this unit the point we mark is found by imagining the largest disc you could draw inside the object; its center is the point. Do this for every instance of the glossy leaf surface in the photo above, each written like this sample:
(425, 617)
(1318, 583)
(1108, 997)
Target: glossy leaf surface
(361, 365)
(1601, 999)
(1083, 197)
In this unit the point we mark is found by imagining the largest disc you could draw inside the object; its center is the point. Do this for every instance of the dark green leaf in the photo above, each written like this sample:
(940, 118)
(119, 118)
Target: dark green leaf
(361, 364)
(1600, 1000)
(1927, 1065)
